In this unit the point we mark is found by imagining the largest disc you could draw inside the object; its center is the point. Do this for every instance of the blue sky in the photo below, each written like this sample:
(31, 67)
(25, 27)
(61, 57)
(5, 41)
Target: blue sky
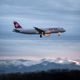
(39, 13)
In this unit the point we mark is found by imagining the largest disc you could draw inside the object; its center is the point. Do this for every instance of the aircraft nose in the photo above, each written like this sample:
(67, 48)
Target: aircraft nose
(64, 30)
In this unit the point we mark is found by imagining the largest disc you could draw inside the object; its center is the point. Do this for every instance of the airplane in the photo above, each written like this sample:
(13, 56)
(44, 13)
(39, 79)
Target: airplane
(41, 31)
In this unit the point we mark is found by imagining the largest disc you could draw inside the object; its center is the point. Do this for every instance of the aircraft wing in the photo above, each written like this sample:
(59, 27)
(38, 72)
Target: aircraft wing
(41, 32)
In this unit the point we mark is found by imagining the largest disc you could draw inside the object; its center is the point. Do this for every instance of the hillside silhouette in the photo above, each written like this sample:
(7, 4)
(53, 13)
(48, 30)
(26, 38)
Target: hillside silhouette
(43, 75)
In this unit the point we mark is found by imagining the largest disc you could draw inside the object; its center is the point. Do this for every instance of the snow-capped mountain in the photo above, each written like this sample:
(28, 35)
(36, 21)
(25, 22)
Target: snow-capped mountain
(21, 65)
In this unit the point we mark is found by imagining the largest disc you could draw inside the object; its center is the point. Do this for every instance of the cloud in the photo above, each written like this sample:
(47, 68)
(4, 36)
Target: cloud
(39, 13)
(41, 7)
(38, 48)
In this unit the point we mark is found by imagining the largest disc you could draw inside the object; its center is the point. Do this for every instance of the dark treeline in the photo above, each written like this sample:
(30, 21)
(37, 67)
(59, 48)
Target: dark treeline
(43, 75)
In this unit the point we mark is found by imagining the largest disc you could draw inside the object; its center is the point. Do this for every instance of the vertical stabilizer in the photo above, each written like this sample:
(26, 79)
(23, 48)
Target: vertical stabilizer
(17, 25)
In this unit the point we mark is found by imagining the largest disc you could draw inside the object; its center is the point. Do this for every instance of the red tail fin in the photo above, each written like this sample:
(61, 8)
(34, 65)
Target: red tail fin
(17, 25)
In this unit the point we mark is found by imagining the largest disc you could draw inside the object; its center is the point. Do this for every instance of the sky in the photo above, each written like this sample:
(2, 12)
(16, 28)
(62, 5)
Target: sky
(40, 13)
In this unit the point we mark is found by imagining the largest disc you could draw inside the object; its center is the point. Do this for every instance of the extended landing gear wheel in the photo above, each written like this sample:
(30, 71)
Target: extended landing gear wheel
(40, 35)
(59, 34)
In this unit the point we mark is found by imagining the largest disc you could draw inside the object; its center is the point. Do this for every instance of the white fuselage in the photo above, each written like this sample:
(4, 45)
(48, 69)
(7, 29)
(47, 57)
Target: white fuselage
(33, 31)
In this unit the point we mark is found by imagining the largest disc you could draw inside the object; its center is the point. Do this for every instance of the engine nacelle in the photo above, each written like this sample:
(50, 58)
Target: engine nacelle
(47, 34)
(59, 33)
